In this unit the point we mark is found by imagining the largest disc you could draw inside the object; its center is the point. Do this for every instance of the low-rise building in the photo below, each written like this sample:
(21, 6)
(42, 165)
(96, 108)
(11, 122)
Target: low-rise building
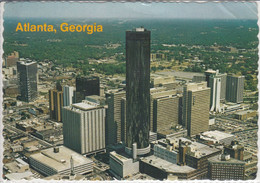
(57, 160)
(222, 167)
(122, 166)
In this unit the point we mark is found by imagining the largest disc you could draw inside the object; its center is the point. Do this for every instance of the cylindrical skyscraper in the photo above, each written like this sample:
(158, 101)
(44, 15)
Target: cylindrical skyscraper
(138, 89)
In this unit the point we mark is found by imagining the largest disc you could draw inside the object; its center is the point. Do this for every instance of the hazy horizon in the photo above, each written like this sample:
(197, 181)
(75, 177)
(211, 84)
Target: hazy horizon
(128, 10)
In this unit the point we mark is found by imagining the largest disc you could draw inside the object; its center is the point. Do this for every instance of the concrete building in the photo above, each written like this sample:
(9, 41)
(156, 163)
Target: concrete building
(235, 150)
(68, 95)
(113, 125)
(166, 153)
(196, 100)
(223, 79)
(235, 88)
(161, 169)
(56, 160)
(217, 137)
(244, 115)
(84, 127)
(138, 89)
(27, 78)
(12, 59)
(215, 85)
(168, 82)
(165, 109)
(222, 167)
(86, 86)
(56, 104)
(122, 166)
(198, 79)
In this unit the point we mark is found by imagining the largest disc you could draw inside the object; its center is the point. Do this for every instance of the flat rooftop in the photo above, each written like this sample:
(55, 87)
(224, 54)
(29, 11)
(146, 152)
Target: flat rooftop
(217, 135)
(179, 74)
(244, 112)
(199, 149)
(84, 105)
(61, 160)
(166, 165)
(216, 159)
(118, 156)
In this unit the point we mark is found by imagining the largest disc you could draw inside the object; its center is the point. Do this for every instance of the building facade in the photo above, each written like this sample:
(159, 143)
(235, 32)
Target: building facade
(27, 78)
(222, 167)
(215, 92)
(55, 104)
(56, 160)
(86, 86)
(84, 127)
(68, 95)
(113, 125)
(196, 100)
(235, 88)
(138, 88)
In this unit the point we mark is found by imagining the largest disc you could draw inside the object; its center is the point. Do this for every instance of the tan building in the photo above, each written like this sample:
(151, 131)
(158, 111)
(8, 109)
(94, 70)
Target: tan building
(56, 103)
(12, 59)
(244, 115)
(196, 100)
(164, 109)
(113, 126)
(168, 82)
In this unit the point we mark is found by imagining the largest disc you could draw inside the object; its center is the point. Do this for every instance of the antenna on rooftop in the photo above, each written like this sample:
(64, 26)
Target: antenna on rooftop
(71, 166)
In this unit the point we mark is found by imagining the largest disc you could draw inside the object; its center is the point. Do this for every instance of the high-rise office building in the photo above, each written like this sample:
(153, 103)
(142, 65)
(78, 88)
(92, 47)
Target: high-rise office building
(196, 100)
(235, 88)
(56, 104)
(138, 89)
(113, 125)
(215, 86)
(84, 127)
(27, 78)
(86, 86)
(68, 95)
(223, 80)
(164, 110)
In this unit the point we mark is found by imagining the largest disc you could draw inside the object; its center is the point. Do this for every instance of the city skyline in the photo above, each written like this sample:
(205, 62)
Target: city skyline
(143, 100)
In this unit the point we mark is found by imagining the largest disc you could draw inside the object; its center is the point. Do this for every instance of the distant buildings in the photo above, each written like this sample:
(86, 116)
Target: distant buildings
(12, 59)
(84, 127)
(86, 86)
(223, 87)
(138, 89)
(196, 99)
(68, 95)
(27, 78)
(56, 160)
(56, 104)
(235, 88)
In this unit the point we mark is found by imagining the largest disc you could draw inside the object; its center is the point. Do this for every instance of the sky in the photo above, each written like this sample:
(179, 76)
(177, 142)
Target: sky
(210, 10)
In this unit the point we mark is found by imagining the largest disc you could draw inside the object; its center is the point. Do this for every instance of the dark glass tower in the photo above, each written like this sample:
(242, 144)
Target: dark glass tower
(27, 78)
(86, 86)
(137, 87)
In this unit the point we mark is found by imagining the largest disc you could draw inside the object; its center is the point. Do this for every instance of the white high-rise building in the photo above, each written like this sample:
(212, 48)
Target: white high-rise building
(84, 127)
(67, 95)
(215, 85)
